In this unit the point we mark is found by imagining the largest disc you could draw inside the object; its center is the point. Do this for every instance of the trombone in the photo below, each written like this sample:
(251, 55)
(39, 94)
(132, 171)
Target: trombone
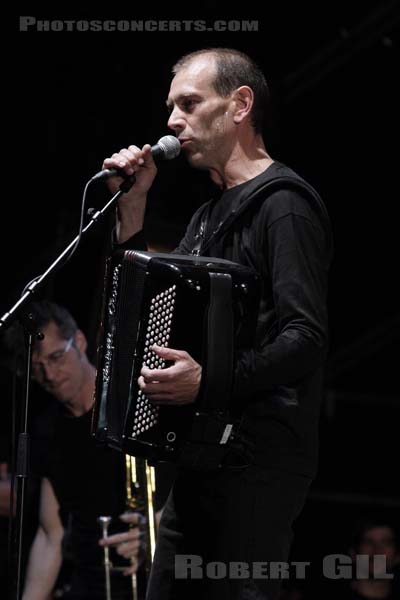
(140, 494)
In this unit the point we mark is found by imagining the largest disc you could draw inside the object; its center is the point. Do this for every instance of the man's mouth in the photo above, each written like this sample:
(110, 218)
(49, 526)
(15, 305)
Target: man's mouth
(53, 387)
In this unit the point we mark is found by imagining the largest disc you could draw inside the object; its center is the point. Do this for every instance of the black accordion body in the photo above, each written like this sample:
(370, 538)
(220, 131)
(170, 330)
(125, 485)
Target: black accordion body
(205, 306)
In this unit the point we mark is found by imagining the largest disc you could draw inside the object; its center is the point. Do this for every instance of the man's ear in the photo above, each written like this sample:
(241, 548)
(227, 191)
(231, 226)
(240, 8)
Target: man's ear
(243, 99)
(80, 341)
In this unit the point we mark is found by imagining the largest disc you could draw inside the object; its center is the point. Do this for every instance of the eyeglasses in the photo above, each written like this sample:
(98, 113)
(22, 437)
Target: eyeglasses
(54, 360)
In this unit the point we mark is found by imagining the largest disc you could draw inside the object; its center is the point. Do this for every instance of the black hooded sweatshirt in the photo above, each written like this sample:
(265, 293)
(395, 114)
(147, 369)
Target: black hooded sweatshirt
(286, 237)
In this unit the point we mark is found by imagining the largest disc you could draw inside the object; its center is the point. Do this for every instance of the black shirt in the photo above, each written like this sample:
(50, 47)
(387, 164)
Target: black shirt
(287, 240)
(88, 481)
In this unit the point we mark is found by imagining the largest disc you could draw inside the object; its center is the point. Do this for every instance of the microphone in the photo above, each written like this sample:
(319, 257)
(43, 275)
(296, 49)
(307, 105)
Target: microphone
(167, 147)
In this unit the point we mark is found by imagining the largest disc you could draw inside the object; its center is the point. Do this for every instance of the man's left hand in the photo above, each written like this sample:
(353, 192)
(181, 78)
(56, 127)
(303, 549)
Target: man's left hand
(178, 384)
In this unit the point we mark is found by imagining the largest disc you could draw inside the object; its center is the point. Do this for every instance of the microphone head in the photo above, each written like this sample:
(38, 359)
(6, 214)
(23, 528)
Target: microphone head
(170, 146)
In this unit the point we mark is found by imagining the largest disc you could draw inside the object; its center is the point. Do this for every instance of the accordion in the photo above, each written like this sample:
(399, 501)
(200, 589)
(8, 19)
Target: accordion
(203, 305)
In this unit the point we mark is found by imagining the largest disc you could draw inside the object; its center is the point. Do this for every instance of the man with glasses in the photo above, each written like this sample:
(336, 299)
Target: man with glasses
(55, 359)
(79, 480)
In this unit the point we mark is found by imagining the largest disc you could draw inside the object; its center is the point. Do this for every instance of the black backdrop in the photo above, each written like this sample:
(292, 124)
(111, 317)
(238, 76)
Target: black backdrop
(78, 96)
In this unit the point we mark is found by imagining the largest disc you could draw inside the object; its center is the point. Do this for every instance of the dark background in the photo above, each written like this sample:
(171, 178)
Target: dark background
(332, 68)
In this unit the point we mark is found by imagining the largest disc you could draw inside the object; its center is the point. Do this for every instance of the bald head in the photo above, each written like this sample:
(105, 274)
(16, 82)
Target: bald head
(231, 69)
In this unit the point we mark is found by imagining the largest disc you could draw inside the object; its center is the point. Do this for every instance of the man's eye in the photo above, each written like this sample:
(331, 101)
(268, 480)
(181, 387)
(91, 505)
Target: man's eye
(188, 104)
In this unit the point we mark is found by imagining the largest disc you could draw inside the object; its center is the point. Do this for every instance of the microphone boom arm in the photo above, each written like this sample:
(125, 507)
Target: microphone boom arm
(9, 316)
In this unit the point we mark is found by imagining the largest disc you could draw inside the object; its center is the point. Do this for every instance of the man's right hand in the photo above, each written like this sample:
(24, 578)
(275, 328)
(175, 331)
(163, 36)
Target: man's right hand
(133, 160)
(127, 543)
(132, 205)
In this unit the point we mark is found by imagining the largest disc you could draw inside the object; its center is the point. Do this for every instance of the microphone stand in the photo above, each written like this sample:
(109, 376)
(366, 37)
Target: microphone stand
(30, 329)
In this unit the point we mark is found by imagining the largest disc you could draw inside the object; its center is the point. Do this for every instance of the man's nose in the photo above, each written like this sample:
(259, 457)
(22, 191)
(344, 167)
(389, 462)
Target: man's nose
(176, 121)
(49, 372)
(380, 548)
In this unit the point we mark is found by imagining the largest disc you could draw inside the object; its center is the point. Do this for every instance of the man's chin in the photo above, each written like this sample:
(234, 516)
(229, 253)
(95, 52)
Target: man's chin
(196, 160)
(61, 394)
(61, 398)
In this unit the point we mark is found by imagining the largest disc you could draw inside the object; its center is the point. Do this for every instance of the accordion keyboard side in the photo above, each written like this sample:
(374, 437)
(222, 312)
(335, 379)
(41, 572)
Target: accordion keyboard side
(121, 314)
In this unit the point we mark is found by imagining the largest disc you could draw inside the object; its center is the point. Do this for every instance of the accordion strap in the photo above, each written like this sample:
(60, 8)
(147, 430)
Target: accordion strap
(219, 360)
(254, 200)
